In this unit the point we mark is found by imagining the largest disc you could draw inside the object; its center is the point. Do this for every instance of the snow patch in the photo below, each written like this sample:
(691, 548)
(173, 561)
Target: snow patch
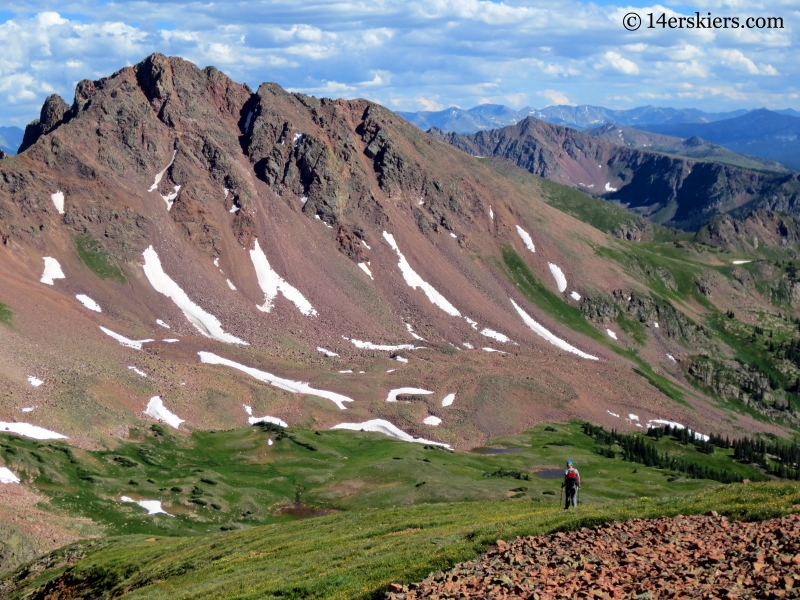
(453, 235)
(31, 431)
(365, 245)
(659, 422)
(741, 262)
(298, 137)
(575, 296)
(414, 281)
(400, 359)
(52, 270)
(58, 201)
(411, 331)
(327, 353)
(633, 417)
(432, 421)
(153, 507)
(493, 350)
(544, 333)
(612, 414)
(393, 394)
(611, 334)
(234, 209)
(6, 476)
(491, 213)
(495, 335)
(303, 199)
(230, 284)
(160, 174)
(269, 442)
(272, 284)
(89, 303)
(169, 199)
(160, 322)
(473, 324)
(295, 387)
(157, 410)
(391, 370)
(171, 340)
(386, 428)
(253, 420)
(346, 371)
(448, 400)
(609, 188)
(526, 238)
(135, 344)
(672, 358)
(207, 324)
(137, 371)
(34, 381)
(558, 275)
(655, 325)
(27, 409)
(468, 346)
(371, 346)
(365, 268)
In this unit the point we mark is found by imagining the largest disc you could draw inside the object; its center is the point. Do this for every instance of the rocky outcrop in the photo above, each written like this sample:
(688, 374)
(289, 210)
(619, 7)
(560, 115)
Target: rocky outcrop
(692, 557)
(760, 229)
(672, 323)
(743, 383)
(52, 114)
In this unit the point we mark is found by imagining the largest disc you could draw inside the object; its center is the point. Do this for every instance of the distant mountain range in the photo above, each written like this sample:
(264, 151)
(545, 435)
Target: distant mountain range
(693, 147)
(10, 139)
(492, 116)
(762, 132)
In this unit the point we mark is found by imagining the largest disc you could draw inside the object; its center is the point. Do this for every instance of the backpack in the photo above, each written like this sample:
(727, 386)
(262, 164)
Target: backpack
(572, 478)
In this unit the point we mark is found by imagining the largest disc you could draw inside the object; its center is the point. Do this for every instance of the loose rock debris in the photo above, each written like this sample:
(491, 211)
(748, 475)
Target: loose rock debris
(681, 557)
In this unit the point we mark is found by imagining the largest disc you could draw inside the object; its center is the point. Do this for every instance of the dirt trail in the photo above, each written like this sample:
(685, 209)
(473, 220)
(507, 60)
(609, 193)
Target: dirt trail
(681, 557)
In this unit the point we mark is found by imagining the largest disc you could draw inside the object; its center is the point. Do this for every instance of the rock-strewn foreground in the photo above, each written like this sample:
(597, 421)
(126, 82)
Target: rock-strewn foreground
(681, 557)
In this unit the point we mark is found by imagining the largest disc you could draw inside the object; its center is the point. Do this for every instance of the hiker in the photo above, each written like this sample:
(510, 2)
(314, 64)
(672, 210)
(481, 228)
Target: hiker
(572, 483)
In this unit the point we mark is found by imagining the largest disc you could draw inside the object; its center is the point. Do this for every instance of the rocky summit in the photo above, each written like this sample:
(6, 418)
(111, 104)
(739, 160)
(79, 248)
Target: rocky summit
(681, 557)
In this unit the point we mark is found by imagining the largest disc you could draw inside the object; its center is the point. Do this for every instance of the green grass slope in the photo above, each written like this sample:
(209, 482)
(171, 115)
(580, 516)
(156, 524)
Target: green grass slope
(348, 555)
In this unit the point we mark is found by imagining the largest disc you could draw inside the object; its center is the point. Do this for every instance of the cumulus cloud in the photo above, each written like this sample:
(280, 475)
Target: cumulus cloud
(409, 54)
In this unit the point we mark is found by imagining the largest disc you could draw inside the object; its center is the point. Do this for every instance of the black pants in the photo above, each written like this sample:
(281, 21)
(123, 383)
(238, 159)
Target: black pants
(572, 497)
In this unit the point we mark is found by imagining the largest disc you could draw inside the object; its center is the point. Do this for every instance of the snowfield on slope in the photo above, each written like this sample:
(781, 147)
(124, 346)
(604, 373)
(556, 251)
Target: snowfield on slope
(207, 324)
(135, 344)
(547, 335)
(253, 420)
(34, 381)
(52, 270)
(157, 410)
(58, 200)
(272, 284)
(295, 387)
(371, 346)
(6, 476)
(88, 303)
(558, 275)
(393, 394)
(414, 281)
(448, 400)
(526, 238)
(31, 431)
(153, 507)
(386, 428)
(161, 173)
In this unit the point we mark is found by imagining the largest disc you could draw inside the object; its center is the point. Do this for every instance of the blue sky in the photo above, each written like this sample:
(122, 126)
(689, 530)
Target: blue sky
(413, 55)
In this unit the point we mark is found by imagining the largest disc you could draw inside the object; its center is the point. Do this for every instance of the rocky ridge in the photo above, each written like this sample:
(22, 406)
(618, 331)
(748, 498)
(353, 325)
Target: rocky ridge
(694, 557)
(673, 191)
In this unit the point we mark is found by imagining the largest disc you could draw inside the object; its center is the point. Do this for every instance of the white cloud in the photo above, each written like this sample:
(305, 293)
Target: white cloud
(556, 97)
(410, 54)
(616, 61)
